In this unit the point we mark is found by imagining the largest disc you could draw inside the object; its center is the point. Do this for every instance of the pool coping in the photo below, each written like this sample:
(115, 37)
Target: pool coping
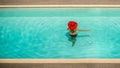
(82, 60)
(59, 60)
(59, 6)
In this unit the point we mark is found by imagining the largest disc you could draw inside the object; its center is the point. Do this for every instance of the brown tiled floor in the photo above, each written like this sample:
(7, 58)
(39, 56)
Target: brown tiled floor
(59, 2)
(56, 65)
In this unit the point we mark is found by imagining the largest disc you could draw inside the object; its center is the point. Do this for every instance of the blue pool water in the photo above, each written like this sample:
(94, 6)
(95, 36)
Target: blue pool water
(42, 33)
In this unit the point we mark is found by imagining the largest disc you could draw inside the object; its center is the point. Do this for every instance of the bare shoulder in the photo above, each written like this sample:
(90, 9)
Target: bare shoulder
(77, 29)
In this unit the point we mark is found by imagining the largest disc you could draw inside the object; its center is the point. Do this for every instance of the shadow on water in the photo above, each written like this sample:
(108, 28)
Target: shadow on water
(69, 39)
(84, 36)
(75, 39)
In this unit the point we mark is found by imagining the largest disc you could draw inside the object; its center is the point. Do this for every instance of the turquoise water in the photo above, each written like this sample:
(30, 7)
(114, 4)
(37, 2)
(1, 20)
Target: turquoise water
(42, 33)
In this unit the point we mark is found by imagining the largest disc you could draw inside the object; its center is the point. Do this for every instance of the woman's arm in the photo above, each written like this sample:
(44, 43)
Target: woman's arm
(82, 30)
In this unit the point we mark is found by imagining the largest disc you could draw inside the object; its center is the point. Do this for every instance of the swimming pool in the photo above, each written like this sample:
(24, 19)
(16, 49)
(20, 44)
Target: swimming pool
(42, 33)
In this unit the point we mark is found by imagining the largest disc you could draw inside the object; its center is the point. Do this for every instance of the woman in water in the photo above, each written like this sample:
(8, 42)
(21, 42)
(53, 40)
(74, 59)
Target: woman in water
(73, 28)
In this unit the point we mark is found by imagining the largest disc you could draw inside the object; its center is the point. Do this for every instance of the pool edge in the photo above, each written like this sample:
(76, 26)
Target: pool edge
(59, 6)
(59, 60)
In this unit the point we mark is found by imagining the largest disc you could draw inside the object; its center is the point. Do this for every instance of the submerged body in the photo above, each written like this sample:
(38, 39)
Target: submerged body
(73, 35)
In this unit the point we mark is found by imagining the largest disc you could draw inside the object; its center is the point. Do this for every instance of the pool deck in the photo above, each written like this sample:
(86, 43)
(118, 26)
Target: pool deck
(60, 3)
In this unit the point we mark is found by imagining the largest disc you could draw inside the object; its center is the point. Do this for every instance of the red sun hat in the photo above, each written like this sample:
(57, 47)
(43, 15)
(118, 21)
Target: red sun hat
(72, 25)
